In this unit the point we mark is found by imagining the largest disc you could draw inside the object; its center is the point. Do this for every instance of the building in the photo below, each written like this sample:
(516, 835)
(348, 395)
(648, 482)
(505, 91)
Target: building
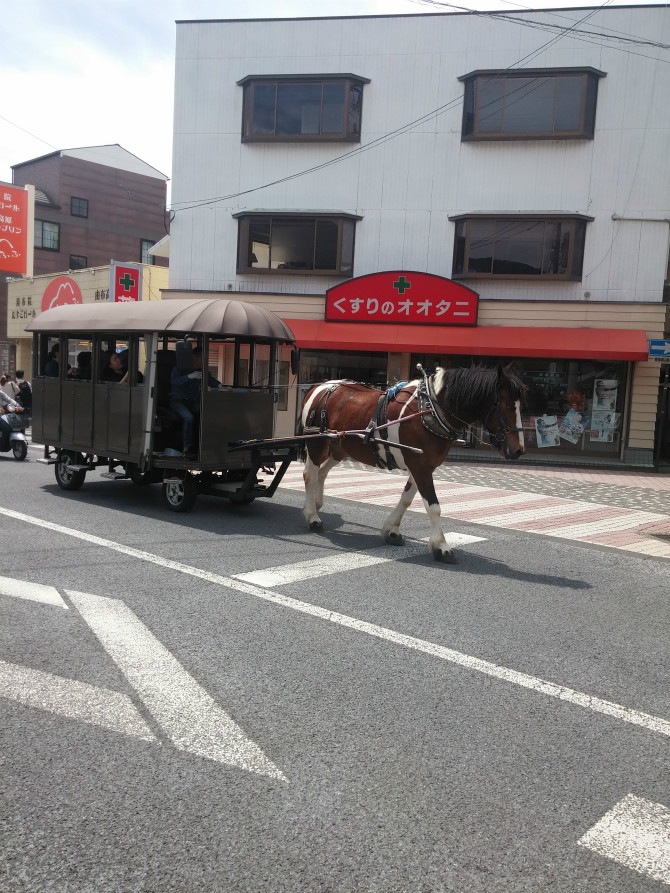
(92, 205)
(521, 156)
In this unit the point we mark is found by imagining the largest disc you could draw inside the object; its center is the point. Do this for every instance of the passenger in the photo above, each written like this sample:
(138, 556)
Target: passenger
(114, 369)
(185, 399)
(83, 369)
(52, 367)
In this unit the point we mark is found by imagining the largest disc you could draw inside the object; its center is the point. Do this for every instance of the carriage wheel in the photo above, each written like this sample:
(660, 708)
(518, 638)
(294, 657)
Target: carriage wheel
(20, 450)
(66, 478)
(180, 496)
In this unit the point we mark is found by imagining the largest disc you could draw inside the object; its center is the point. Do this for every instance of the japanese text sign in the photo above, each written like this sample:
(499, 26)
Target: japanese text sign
(402, 297)
(17, 211)
(125, 281)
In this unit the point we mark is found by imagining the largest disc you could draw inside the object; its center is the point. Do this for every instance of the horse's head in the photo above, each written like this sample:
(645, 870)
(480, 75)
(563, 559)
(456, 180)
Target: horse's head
(503, 421)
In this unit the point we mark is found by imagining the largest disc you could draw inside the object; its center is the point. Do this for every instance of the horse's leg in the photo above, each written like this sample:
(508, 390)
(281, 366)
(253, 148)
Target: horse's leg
(437, 543)
(310, 476)
(391, 526)
(330, 462)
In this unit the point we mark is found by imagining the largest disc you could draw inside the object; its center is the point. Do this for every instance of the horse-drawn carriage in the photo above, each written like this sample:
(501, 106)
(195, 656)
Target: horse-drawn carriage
(128, 424)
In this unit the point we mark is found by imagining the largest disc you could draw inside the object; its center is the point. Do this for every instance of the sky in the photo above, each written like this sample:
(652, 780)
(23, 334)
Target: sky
(91, 72)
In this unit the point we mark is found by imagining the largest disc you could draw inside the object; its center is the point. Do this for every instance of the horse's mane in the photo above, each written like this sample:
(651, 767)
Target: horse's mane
(460, 389)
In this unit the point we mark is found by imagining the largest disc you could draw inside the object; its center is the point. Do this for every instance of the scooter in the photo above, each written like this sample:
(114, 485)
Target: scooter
(13, 422)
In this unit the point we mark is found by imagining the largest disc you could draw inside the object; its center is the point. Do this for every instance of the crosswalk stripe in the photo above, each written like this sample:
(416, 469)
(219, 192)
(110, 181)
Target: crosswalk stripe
(34, 592)
(343, 562)
(192, 720)
(111, 710)
(635, 833)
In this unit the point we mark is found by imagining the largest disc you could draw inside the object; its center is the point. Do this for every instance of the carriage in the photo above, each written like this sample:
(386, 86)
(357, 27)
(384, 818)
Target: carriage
(129, 428)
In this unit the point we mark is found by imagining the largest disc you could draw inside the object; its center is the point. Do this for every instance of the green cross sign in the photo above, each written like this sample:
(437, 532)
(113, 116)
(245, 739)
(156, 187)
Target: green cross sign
(401, 285)
(126, 281)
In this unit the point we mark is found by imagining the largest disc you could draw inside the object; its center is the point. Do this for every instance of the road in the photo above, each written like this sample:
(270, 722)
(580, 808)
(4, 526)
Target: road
(222, 701)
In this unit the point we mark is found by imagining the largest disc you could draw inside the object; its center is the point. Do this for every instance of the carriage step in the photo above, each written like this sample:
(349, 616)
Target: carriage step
(110, 475)
(47, 461)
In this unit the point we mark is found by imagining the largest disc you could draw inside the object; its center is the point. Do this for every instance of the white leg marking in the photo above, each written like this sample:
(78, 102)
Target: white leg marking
(436, 541)
(635, 833)
(392, 522)
(321, 479)
(311, 478)
(517, 408)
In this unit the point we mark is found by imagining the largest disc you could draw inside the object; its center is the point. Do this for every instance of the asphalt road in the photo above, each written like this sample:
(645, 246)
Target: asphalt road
(221, 701)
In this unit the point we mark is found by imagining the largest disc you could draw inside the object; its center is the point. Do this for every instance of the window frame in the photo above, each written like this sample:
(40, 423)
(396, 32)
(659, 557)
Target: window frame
(589, 98)
(77, 265)
(79, 203)
(244, 220)
(39, 233)
(249, 83)
(575, 262)
(145, 244)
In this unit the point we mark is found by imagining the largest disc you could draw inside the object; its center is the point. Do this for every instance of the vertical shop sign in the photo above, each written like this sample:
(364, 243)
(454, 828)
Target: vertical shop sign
(17, 226)
(125, 282)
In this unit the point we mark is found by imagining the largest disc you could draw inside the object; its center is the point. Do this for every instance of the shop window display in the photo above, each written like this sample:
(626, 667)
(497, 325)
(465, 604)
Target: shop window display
(572, 406)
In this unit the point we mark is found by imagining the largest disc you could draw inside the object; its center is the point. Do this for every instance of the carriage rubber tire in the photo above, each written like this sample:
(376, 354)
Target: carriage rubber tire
(66, 479)
(180, 497)
(20, 450)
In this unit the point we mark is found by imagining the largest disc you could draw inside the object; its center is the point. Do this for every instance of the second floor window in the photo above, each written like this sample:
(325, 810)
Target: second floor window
(145, 245)
(78, 261)
(516, 247)
(79, 207)
(47, 235)
(292, 244)
(302, 108)
(530, 104)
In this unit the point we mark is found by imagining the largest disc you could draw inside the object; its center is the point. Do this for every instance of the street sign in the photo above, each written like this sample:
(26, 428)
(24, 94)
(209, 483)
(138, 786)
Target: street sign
(125, 282)
(659, 351)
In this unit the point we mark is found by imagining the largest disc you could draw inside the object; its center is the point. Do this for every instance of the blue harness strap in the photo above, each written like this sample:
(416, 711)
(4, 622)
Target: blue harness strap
(394, 390)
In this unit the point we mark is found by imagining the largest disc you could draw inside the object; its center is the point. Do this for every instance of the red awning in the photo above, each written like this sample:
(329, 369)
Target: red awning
(494, 341)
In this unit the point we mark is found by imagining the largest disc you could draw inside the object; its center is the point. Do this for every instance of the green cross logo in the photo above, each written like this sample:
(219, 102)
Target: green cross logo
(126, 281)
(401, 285)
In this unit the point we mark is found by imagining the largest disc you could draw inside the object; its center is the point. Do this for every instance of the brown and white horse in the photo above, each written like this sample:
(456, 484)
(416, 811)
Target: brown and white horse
(425, 415)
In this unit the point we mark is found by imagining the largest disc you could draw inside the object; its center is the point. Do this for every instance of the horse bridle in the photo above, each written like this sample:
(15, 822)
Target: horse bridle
(497, 437)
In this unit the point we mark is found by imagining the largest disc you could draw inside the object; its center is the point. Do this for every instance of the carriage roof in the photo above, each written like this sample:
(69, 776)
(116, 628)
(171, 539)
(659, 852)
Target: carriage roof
(206, 316)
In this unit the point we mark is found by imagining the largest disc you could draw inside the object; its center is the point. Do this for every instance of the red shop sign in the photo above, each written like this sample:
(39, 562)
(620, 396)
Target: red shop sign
(402, 297)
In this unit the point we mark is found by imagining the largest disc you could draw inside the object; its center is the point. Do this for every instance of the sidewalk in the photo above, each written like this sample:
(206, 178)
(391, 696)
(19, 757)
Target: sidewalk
(626, 510)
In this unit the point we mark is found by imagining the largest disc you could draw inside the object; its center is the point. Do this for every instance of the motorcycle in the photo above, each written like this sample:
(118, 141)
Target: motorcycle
(13, 422)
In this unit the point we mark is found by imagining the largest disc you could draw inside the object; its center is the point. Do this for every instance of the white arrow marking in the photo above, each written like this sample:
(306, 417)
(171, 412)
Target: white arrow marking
(193, 721)
(34, 592)
(75, 700)
(636, 833)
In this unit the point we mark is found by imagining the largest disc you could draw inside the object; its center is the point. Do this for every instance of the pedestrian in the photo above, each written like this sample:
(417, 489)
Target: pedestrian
(25, 397)
(9, 387)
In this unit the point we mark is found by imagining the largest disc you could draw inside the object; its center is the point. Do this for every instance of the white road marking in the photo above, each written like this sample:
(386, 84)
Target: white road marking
(340, 563)
(547, 511)
(606, 525)
(193, 721)
(635, 833)
(597, 705)
(72, 699)
(466, 505)
(34, 592)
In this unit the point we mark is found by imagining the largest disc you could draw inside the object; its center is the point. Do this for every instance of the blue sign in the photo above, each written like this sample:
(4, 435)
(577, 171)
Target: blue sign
(659, 348)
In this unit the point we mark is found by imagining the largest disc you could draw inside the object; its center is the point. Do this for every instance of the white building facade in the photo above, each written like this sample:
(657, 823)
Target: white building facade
(522, 155)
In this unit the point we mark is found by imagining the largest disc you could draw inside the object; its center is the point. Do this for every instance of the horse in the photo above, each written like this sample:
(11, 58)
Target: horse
(410, 427)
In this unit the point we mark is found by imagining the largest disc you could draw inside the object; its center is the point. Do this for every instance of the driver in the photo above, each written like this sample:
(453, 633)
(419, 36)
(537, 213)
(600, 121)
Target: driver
(185, 399)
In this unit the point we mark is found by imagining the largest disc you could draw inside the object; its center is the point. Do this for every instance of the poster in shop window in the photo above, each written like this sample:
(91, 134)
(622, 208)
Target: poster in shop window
(605, 392)
(546, 431)
(573, 426)
(604, 425)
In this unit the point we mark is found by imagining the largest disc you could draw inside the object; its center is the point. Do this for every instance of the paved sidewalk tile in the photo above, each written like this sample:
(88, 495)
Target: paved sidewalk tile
(626, 512)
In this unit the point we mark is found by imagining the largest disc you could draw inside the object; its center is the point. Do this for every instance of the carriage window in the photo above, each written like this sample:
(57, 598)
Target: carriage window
(47, 357)
(530, 104)
(291, 244)
(302, 108)
(113, 359)
(514, 247)
(80, 359)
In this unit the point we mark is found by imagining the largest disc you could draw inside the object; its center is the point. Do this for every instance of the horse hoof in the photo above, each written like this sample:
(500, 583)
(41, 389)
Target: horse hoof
(316, 526)
(447, 557)
(394, 539)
